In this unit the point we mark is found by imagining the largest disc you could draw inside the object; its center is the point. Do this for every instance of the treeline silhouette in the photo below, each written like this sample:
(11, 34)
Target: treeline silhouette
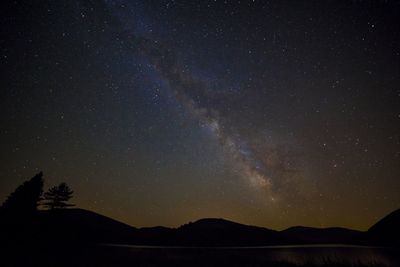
(27, 197)
(32, 232)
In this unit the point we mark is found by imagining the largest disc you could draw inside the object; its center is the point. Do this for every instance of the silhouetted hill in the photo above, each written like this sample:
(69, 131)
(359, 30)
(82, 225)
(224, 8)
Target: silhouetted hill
(66, 225)
(85, 225)
(81, 227)
(386, 231)
(213, 223)
(310, 235)
(220, 232)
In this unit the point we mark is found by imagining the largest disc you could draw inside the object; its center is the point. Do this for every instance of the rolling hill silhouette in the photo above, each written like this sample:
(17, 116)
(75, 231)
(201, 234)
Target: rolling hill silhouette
(68, 225)
(82, 226)
(220, 232)
(386, 231)
(333, 235)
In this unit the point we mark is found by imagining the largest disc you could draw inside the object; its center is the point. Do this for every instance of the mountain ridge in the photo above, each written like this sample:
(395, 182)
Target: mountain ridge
(386, 231)
(87, 226)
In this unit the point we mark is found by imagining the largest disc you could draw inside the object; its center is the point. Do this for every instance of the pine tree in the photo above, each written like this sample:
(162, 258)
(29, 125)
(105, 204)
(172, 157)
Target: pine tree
(26, 197)
(58, 196)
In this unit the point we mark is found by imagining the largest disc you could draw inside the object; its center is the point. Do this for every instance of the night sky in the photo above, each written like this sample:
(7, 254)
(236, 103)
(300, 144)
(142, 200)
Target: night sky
(272, 113)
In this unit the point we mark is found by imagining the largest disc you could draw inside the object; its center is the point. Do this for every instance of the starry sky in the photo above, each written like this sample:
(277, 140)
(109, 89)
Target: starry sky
(272, 113)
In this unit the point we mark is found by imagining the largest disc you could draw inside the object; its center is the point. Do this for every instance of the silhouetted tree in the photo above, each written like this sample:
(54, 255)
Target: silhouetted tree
(58, 196)
(26, 197)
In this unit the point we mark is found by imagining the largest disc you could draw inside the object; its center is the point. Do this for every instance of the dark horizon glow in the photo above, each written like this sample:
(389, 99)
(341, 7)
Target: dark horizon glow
(163, 112)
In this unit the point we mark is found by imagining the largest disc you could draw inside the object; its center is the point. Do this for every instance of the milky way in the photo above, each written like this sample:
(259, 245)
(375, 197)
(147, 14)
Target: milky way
(186, 88)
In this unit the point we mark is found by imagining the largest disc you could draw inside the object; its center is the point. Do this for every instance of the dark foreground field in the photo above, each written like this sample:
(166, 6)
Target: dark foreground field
(291, 256)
